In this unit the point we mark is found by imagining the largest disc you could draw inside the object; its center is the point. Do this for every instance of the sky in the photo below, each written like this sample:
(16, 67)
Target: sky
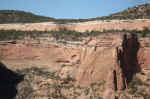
(70, 8)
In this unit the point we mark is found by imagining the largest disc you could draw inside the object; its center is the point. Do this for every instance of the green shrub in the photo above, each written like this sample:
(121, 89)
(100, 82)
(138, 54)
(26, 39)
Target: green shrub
(138, 92)
(63, 34)
(145, 32)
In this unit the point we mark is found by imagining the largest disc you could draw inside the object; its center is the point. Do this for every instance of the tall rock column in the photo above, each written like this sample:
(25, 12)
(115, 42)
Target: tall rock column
(118, 68)
(109, 92)
(116, 79)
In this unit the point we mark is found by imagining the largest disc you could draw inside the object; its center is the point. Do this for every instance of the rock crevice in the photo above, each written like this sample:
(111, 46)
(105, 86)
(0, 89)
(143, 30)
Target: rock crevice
(125, 65)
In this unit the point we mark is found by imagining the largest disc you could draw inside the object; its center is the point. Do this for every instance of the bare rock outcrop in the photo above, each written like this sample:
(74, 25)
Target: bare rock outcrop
(137, 24)
(110, 58)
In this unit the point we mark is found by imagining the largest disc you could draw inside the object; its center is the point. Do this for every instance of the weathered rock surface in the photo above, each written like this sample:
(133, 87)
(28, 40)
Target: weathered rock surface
(110, 58)
(137, 24)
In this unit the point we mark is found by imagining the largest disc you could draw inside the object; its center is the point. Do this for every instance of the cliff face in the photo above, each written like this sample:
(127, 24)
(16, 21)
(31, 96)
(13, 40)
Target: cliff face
(108, 66)
(138, 24)
(143, 54)
(110, 58)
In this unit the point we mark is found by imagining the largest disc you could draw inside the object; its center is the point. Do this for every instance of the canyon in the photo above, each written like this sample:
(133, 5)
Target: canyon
(112, 58)
(97, 58)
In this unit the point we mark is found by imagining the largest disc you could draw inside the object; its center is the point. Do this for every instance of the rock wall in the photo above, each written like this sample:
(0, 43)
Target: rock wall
(138, 24)
(112, 58)
(144, 53)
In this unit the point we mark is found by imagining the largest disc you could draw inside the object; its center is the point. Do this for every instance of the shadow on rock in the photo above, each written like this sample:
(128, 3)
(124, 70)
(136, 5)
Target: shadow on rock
(8, 82)
(131, 46)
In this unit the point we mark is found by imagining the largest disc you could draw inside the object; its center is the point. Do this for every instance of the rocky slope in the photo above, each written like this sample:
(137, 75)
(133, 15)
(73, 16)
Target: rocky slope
(139, 24)
(137, 12)
(111, 62)
(14, 16)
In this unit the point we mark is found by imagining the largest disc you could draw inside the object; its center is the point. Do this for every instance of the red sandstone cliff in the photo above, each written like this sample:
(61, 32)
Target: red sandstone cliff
(111, 58)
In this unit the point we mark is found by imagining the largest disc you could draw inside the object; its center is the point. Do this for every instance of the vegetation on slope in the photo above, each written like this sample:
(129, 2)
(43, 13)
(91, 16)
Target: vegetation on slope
(138, 88)
(41, 84)
(63, 34)
(137, 12)
(14, 16)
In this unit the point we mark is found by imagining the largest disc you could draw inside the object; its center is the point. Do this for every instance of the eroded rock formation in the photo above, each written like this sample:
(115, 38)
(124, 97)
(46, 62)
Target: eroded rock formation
(111, 58)
(137, 24)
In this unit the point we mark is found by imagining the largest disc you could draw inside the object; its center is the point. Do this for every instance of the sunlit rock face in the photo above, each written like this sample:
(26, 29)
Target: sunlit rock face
(137, 24)
(110, 58)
